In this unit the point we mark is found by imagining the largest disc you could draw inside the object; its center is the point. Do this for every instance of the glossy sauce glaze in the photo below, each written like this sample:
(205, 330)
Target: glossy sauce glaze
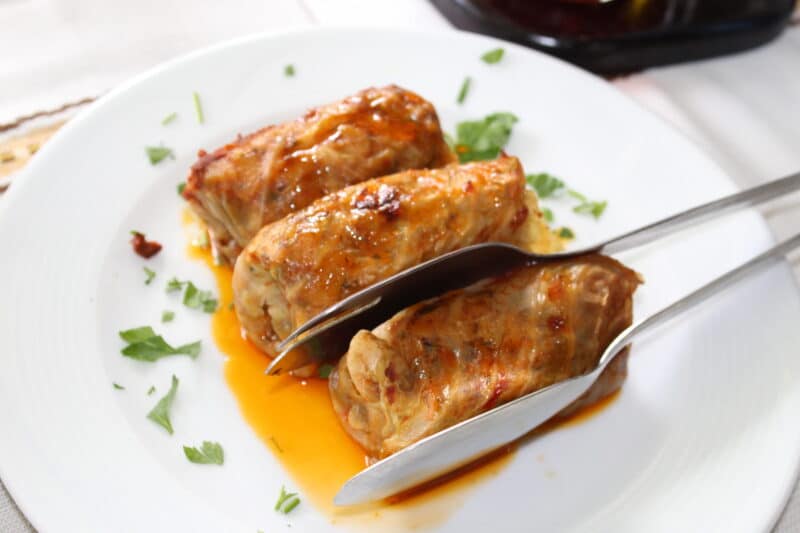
(295, 420)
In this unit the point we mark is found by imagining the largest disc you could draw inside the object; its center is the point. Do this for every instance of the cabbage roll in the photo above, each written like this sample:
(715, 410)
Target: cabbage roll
(448, 359)
(298, 266)
(259, 178)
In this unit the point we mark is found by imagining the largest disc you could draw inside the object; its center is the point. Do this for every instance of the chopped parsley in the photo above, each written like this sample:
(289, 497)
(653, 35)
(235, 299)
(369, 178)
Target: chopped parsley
(149, 275)
(208, 454)
(566, 233)
(169, 118)
(325, 371)
(151, 390)
(167, 316)
(175, 284)
(198, 108)
(477, 140)
(118, 386)
(181, 186)
(160, 413)
(287, 501)
(493, 56)
(197, 299)
(547, 213)
(595, 209)
(288, 70)
(544, 184)
(157, 154)
(462, 93)
(193, 297)
(145, 345)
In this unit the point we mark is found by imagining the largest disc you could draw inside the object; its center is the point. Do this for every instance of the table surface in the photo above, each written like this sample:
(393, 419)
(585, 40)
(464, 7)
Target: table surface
(742, 110)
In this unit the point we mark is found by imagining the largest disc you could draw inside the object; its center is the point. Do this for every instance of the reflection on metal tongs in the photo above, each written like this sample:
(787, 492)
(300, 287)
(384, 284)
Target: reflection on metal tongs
(327, 336)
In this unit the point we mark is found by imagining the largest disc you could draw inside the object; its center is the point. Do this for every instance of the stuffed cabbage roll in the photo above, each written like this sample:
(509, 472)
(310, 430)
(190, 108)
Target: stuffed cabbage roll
(260, 178)
(298, 266)
(448, 359)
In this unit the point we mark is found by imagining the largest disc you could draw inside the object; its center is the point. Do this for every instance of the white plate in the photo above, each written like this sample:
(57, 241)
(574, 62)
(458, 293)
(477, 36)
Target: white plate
(704, 436)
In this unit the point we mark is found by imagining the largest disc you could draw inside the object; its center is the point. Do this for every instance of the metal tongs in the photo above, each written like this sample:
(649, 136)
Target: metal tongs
(327, 336)
(462, 443)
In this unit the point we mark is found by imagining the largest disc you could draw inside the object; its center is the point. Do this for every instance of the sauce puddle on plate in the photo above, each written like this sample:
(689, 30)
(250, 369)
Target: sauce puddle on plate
(295, 420)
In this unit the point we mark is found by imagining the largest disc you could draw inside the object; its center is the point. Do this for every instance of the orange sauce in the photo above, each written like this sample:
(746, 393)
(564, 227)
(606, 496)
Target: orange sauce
(295, 420)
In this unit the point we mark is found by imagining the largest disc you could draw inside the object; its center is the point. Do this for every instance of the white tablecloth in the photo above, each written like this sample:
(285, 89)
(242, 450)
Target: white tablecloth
(744, 110)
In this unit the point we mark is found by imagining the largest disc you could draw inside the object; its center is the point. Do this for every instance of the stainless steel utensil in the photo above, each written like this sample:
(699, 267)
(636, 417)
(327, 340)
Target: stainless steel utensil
(460, 444)
(328, 335)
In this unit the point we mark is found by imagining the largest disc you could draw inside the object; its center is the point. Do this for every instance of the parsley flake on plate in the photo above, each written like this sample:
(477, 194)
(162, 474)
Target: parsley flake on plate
(595, 209)
(288, 70)
(198, 108)
(493, 56)
(462, 93)
(193, 297)
(208, 454)
(180, 187)
(118, 386)
(545, 185)
(547, 213)
(478, 140)
(169, 118)
(566, 233)
(160, 413)
(157, 154)
(174, 284)
(197, 299)
(151, 390)
(287, 501)
(149, 275)
(167, 316)
(145, 345)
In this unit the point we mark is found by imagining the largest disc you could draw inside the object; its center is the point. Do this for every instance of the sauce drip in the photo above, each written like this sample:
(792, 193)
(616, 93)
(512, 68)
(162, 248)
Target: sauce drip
(295, 420)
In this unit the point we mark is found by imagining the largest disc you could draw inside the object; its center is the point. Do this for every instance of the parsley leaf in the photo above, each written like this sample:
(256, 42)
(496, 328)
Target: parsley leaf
(149, 275)
(493, 56)
(566, 233)
(175, 284)
(288, 71)
(157, 154)
(462, 93)
(197, 299)
(591, 208)
(118, 386)
(193, 297)
(198, 108)
(578, 196)
(547, 213)
(477, 140)
(544, 184)
(209, 453)
(145, 345)
(132, 336)
(167, 316)
(169, 118)
(181, 186)
(287, 501)
(151, 390)
(160, 413)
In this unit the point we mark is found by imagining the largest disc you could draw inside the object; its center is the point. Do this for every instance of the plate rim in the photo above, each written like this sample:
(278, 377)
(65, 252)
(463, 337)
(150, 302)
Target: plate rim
(27, 174)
